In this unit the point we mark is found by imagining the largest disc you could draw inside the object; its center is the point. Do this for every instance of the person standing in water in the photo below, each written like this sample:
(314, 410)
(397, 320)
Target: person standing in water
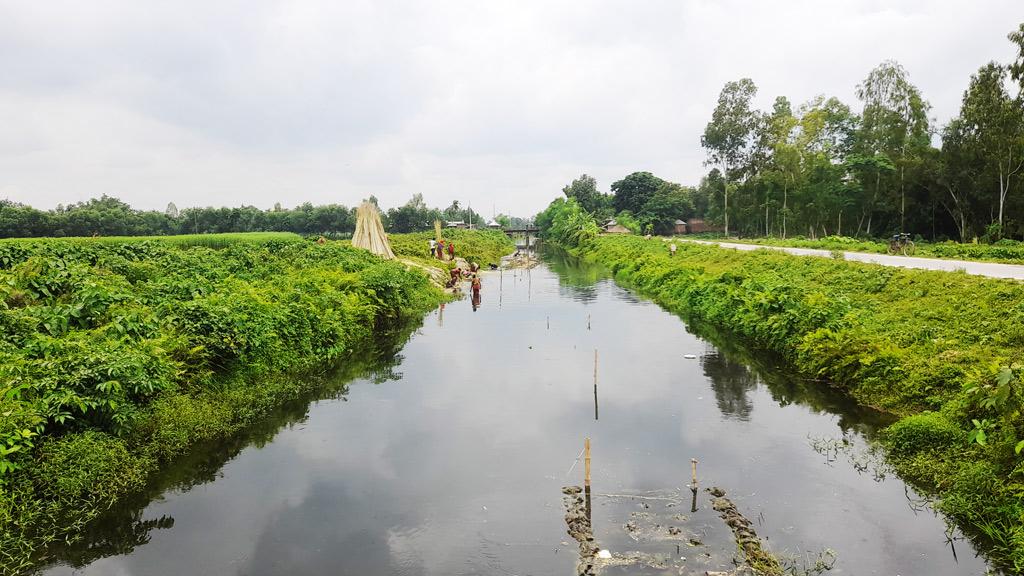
(475, 298)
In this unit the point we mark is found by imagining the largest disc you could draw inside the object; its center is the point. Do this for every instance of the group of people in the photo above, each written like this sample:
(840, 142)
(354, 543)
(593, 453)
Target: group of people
(438, 249)
(473, 274)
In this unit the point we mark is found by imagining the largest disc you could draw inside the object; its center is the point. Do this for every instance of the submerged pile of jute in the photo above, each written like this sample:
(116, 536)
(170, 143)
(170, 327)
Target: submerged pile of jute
(369, 232)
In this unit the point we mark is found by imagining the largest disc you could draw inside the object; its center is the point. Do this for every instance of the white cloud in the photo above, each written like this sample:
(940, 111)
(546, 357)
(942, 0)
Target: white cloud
(497, 103)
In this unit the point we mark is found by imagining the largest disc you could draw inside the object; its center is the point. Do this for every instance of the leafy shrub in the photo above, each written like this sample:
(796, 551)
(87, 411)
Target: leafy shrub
(90, 466)
(923, 432)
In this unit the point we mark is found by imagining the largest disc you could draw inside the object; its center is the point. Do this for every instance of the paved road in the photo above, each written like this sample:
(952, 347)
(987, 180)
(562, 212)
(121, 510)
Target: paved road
(990, 269)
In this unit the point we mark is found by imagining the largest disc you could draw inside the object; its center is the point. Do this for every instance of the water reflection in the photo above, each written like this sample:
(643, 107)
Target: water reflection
(123, 529)
(456, 466)
(577, 280)
(731, 383)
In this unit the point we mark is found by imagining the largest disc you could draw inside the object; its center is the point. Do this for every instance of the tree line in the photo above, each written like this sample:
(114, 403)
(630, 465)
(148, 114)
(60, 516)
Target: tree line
(640, 201)
(108, 216)
(823, 168)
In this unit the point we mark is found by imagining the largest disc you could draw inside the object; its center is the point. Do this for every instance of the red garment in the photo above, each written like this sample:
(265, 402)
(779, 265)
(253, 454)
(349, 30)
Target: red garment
(451, 250)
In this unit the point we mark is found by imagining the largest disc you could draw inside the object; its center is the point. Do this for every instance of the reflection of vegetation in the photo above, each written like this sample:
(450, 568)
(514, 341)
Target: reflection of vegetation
(115, 538)
(787, 387)
(898, 339)
(121, 529)
(863, 460)
(730, 381)
(577, 278)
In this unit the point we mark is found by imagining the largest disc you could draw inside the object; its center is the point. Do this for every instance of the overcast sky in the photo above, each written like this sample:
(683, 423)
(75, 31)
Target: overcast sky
(497, 103)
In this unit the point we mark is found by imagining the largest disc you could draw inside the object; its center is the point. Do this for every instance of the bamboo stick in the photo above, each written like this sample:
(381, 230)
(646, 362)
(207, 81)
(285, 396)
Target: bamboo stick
(586, 463)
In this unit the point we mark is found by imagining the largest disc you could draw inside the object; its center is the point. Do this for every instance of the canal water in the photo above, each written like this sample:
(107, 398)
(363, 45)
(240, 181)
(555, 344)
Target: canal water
(449, 455)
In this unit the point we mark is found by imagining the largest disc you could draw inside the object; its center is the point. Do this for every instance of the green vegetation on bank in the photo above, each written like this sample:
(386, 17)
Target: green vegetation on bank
(215, 241)
(117, 356)
(1008, 251)
(481, 246)
(901, 340)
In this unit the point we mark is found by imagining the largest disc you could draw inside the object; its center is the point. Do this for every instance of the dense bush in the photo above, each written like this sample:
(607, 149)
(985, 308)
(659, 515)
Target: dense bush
(565, 223)
(906, 341)
(923, 432)
(116, 356)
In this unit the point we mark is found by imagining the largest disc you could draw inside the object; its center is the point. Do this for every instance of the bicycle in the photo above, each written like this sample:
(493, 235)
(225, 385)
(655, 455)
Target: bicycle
(901, 244)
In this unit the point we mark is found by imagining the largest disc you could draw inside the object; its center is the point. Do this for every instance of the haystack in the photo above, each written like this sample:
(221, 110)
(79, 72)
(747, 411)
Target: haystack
(369, 232)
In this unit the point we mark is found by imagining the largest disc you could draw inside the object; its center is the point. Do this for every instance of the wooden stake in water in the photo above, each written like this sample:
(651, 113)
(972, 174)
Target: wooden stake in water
(549, 322)
(586, 476)
(693, 478)
(586, 463)
(595, 384)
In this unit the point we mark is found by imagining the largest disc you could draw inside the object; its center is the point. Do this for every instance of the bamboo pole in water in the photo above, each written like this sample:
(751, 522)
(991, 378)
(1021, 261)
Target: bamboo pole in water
(586, 463)
(693, 479)
(586, 481)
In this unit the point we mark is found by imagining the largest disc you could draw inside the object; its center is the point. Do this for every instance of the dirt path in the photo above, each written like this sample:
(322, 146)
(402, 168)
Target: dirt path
(989, 269)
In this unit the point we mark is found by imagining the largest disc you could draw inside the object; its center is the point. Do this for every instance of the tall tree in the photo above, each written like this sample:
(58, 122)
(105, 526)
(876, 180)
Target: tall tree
(584, 190)
(633, 191)
(894, 121)
(958, 175)
(728, 134)
(1016, 69)
(994, 126)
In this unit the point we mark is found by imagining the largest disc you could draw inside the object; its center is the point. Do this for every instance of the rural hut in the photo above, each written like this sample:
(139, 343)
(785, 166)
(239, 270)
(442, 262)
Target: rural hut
(697, 226)
(613, 227)
(679, 227)
(369, 233)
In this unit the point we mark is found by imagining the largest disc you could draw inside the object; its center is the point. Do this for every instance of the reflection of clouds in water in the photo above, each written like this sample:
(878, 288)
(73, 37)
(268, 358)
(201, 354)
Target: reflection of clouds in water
(329, 518)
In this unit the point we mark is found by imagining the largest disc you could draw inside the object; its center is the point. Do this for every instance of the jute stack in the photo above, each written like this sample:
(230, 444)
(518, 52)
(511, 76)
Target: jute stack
(369, 232)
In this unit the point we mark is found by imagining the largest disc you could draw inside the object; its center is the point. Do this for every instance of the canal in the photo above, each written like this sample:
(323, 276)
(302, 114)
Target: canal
(448, 455)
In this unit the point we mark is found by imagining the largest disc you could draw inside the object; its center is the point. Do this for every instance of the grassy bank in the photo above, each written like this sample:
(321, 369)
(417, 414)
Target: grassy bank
(117, 356)
(1007, 251)
(942, 350)
(181, 241)
(480, 246)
